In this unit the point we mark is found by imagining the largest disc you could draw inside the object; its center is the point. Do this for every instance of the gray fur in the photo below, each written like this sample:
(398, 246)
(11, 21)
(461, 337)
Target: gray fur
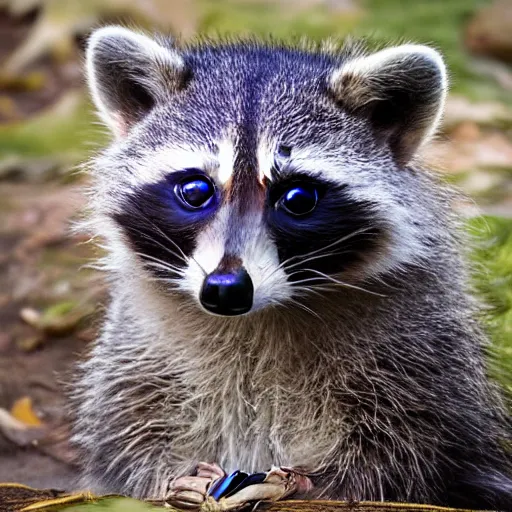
(374, 384)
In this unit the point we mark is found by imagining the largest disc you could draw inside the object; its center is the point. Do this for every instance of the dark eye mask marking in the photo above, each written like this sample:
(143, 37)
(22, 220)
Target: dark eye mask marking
(159, 226)
(336, 215)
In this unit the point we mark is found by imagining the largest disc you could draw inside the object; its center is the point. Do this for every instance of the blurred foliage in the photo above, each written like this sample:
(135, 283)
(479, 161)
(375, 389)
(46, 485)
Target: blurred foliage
(63, 132)
(379, 21)
(435, 22)
(439, 23)
(114, 505)
(493, 278)
(60, 21)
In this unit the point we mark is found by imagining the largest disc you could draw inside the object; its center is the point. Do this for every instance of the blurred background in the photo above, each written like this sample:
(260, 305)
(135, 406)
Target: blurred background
(50, 303)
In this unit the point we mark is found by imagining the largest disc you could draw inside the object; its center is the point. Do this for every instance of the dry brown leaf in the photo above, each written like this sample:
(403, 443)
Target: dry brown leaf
(18, 432)
(22, 410)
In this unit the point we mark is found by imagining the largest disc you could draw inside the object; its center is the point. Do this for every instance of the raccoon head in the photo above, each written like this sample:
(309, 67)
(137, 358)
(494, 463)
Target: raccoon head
(244, 174)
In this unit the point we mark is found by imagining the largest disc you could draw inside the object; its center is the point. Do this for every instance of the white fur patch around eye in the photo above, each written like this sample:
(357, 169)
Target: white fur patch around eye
(155, 164)
(314, 160)
(209, 250)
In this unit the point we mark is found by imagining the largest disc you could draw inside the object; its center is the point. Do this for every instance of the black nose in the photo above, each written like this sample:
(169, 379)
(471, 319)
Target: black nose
(227, 294)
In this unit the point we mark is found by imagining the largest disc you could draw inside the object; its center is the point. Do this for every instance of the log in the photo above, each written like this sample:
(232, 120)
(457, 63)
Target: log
(21, 498)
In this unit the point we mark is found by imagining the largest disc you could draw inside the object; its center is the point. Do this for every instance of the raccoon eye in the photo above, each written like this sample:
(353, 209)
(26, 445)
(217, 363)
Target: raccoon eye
(299, 200)
(195, 192)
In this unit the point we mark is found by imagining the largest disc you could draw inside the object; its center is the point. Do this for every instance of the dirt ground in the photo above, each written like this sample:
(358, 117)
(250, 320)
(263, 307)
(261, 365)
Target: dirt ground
(40, 266)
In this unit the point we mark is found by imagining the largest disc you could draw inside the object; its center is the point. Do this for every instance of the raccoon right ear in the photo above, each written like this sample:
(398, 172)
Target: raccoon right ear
(129, 73)
(401, 90)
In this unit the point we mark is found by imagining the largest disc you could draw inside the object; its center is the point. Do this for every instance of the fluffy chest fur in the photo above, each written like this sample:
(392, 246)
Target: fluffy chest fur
(252, 400)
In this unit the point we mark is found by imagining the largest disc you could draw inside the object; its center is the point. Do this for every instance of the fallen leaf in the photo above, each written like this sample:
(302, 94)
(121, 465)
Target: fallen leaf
(22, 410)
(58, 320)
(18, 432)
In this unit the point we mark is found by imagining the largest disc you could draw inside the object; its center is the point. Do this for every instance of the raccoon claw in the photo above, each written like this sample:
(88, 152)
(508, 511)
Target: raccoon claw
(231, 484)
(189, 492)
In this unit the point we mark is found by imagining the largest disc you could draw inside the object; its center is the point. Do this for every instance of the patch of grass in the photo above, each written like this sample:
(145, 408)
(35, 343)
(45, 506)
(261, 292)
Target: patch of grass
(263, 19)
(493, 279)
(114, 505)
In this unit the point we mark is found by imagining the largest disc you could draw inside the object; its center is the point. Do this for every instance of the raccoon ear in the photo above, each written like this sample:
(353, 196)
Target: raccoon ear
(401, 90)
(129, 73)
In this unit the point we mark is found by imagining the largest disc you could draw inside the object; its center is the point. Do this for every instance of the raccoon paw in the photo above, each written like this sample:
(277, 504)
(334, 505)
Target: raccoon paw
(276, 484)
(235, 491)
(189, 492)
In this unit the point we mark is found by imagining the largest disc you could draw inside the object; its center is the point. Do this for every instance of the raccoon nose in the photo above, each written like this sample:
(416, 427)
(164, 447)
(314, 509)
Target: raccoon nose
(227, 294)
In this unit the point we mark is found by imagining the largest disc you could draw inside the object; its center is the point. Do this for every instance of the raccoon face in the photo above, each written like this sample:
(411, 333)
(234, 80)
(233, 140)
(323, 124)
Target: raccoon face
(246, 176)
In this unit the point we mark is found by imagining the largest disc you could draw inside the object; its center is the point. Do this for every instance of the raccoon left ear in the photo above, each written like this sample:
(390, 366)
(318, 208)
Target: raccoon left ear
(129, 73)
(401, 90)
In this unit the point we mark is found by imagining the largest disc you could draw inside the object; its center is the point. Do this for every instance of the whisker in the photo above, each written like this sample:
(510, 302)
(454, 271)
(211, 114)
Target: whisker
(173, 242)
(317, 257)
(162, 263)
(165, 248)
(328, 246)
(333, 281)
(305, 308)
(304, 257)
(173, 281)
(163, 267)
(316, 290)
(308, 289)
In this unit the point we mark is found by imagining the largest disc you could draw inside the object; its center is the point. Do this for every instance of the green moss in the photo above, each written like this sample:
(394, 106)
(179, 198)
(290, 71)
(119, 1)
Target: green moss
(58, 310)
(493, 278)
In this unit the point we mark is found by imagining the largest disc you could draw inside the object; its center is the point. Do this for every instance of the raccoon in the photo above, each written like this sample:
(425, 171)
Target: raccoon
(287, 281)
